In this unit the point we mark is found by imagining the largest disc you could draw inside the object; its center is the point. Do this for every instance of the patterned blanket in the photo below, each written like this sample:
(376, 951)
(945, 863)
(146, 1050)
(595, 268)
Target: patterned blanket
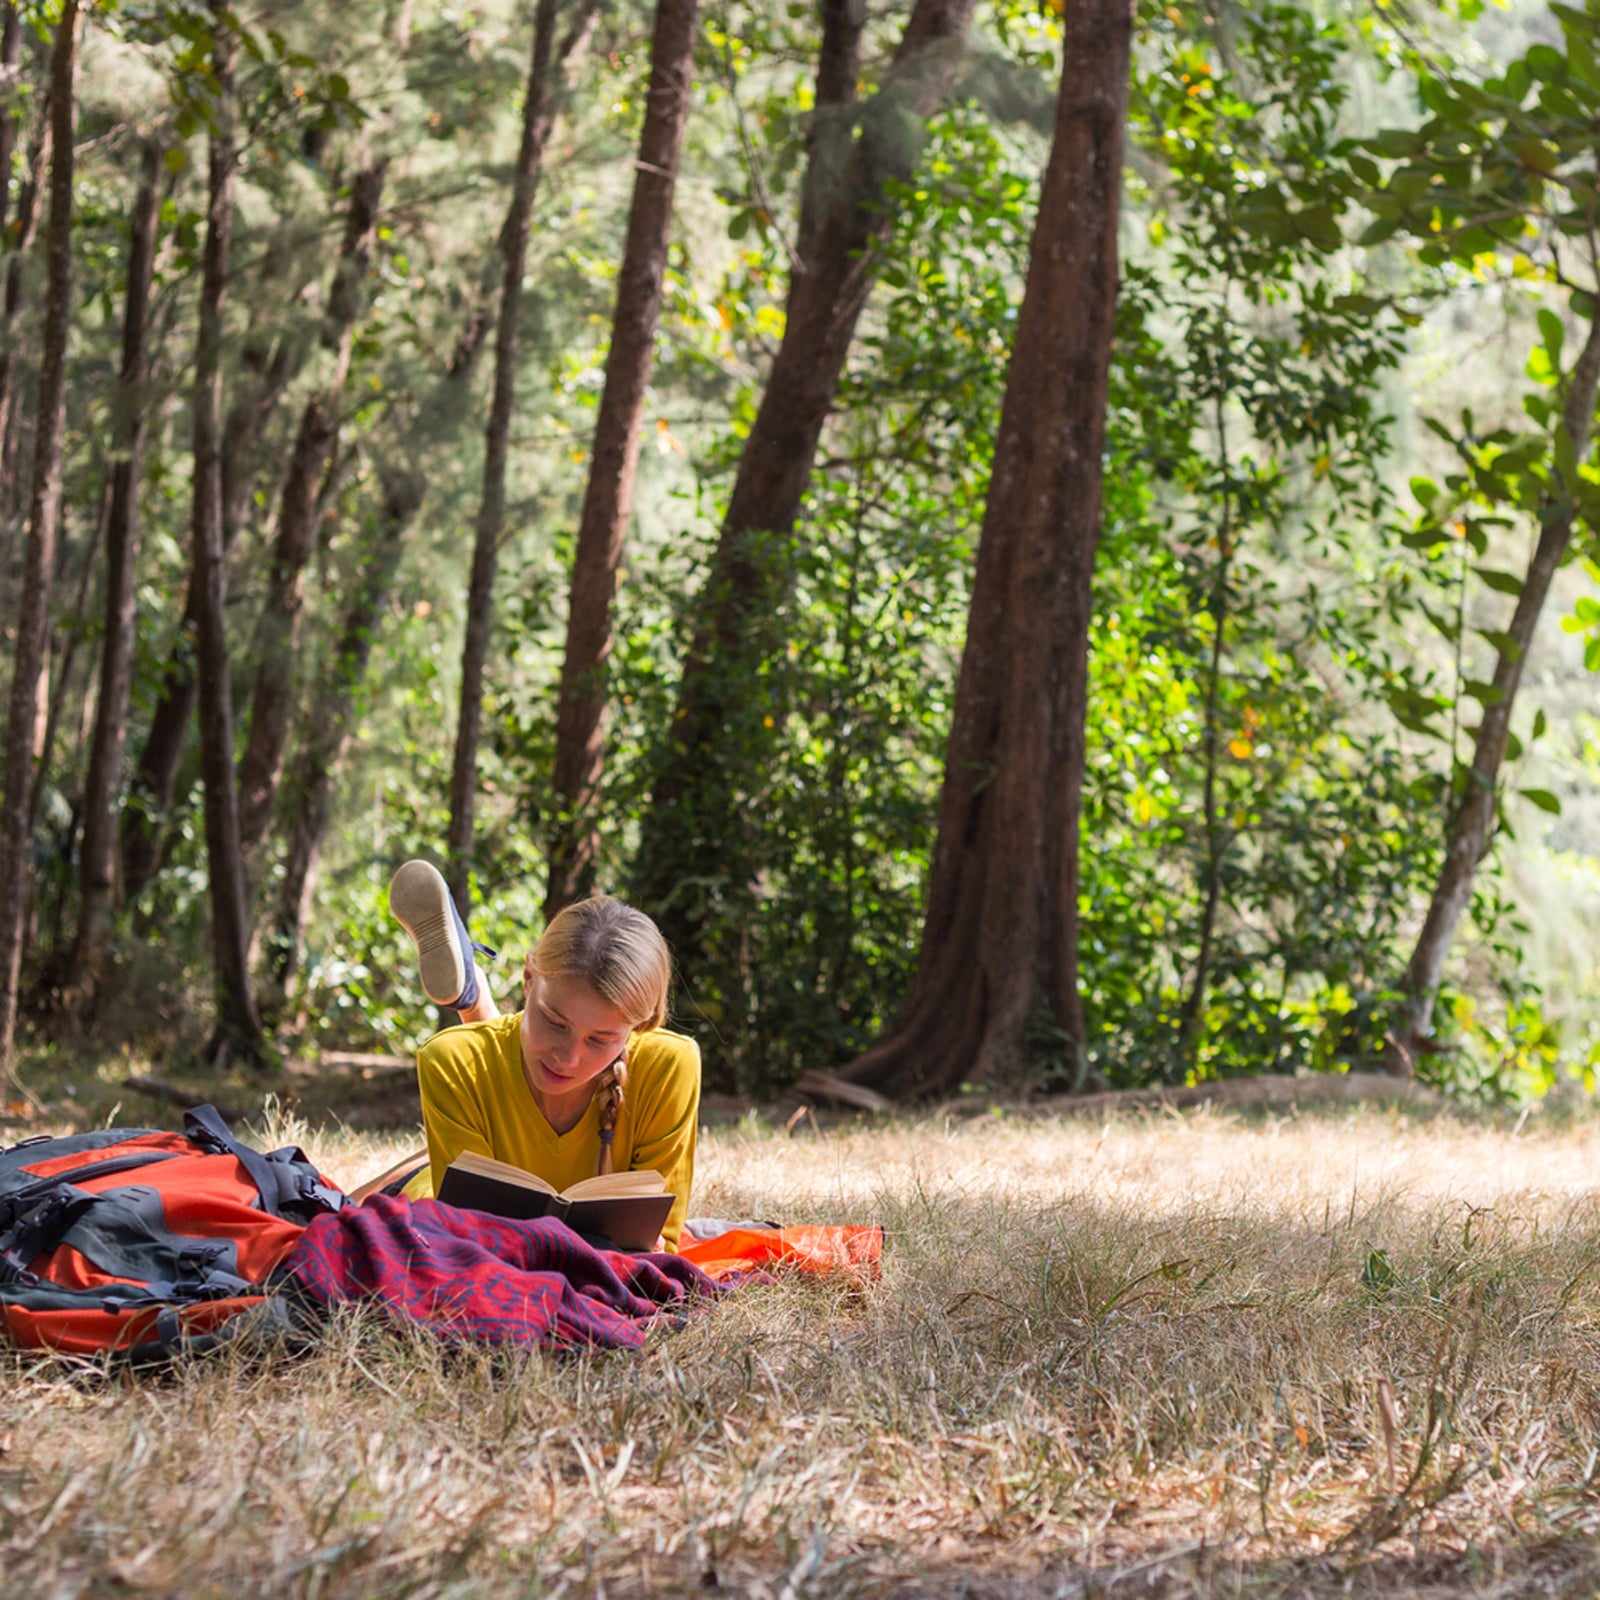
(473, 1278)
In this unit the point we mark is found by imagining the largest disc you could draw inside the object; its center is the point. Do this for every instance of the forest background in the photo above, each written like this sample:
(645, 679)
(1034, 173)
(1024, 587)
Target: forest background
(365, 437)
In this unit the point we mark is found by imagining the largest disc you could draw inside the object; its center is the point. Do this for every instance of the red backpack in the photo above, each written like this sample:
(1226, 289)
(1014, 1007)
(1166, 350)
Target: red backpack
(144, 1244)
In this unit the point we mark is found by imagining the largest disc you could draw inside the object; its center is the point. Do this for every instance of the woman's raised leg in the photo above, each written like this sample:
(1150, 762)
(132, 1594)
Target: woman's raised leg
(420, 900)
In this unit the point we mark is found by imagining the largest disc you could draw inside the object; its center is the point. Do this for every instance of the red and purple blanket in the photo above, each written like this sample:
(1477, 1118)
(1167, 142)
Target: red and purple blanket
(473, 1278)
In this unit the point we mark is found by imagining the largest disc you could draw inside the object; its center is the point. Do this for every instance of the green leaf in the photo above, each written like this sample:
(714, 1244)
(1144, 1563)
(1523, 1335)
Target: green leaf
(1543, 799)
(1377, 1273)
(1502, 641)
(1566, 458)
(1546, 63)
(1447, 626)
(1395, 143)
(1554, 332)
(1500, 582)
(1540, 723)
(176, 158)
(1486, 694)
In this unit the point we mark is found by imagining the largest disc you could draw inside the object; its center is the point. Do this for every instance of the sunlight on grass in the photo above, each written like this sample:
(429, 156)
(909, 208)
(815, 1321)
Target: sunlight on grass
(1173, 1355)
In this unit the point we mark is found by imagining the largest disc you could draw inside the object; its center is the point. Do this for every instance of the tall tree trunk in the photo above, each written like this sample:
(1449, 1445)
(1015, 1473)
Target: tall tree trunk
(63, 651)
(44, 511)
(997, 976)
(24, 233)
(614, 458)
(269, 366)
(1471, 828)
(325, 735)
(278, 627)
(849, 206)
(97, 866)
(538, 113)
(10, 77)
(238, 1028)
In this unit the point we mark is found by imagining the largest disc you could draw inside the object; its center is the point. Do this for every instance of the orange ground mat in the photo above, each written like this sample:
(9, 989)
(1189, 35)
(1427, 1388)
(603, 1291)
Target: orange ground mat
(855, 1251)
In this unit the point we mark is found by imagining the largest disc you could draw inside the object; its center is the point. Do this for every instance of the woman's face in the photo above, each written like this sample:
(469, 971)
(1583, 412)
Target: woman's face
(570, 1034)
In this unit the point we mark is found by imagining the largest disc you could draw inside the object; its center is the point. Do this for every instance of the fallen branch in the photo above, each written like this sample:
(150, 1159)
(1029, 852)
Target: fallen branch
(1271, 1092)
(185, 1099)
(827, 1087)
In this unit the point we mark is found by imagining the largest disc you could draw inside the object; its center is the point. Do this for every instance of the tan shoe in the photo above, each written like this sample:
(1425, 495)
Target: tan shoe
(421, 902)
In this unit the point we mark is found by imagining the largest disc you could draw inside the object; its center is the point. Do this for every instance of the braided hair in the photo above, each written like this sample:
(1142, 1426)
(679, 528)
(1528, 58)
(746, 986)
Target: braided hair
(610, 1089)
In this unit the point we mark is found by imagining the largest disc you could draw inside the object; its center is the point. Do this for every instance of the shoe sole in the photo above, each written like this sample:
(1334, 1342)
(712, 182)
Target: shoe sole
(420, 901)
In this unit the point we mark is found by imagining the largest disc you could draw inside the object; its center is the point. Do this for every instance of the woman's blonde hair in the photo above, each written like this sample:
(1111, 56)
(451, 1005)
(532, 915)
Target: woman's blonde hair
(617, 951)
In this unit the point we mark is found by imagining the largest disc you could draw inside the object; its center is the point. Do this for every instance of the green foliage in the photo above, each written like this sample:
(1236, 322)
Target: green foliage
(1285, 663)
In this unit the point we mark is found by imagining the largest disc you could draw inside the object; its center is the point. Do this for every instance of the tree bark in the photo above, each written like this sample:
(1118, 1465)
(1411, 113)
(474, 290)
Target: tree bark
(847, 211)
(97, 865)
(63, 644)
(44, 511)
(26, 230)
(10, 74)
(269, 365)
(238, 1027)
(278, 627)
(538, 114)
(997, 976)
(614, 458)
(325, 735)
(1471, 827)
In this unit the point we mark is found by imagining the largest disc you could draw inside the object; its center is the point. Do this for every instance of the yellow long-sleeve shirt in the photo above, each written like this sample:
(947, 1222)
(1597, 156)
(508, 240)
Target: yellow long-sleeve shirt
(476, 1097)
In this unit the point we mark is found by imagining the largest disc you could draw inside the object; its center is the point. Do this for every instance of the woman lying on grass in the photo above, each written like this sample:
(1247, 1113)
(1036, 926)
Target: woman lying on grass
(584, 1079)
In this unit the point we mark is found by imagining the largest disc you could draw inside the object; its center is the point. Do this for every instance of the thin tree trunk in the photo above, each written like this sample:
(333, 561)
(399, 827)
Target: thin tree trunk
(25, 231)
(269, 366)
(849, 206)
(10, 76)
(43, 514)
(997, 978)
(1471, 828)
(538, 114)
(238, 1028)
(278, 627)
(65, 654)
(97, 866)
(1211, 749)
(325, 736)
(614, 458)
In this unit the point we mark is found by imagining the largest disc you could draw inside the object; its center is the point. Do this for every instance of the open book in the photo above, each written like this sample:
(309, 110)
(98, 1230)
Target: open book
(628, 1208)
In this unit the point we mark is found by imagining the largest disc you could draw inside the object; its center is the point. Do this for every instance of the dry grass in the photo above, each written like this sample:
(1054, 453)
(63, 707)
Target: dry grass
(1163, 1356)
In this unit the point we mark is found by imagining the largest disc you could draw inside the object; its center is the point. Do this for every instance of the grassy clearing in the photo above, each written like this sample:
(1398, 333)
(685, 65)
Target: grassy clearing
(1162, 1356)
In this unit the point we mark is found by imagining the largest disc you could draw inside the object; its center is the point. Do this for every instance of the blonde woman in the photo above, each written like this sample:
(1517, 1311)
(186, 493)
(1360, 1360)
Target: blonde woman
(584, 1079)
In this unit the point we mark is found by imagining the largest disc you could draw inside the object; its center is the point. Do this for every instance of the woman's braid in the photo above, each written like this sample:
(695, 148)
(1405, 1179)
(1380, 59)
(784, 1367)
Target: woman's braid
(610, 1090)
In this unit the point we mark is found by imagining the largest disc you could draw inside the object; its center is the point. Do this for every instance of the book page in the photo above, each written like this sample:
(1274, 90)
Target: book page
(616, 1185)
(488, 1167)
